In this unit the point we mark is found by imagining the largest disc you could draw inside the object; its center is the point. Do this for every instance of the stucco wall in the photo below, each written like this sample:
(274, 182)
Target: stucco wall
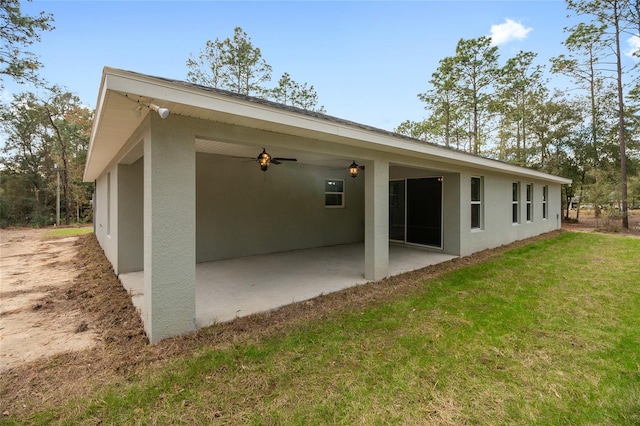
(450, 202)
(105, 215)
(498, 228)
(118, 216)
(131, 207)
(242, 211)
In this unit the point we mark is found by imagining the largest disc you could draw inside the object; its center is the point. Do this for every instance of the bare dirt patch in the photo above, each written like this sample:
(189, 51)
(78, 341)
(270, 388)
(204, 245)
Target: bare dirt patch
(36, 319)
(586, 220)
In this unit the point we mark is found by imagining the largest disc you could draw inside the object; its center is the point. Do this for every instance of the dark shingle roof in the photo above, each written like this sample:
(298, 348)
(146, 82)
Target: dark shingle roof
(290, 108)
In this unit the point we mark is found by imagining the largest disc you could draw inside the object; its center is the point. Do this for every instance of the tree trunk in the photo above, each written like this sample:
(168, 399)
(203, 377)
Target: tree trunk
(584, 174)
(621, 133)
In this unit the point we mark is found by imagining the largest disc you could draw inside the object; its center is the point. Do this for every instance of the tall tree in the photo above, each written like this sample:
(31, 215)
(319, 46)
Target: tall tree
(231, 64)
(584, 65)
(290, 92)
(610, 14)
(552, 127)
(68, 127)
(476, 67)
(26, 163)
(443, 102)
(18, 32)
(520, 88)
(237, 65)
(40, 134)
(207, 68)
(415, 129)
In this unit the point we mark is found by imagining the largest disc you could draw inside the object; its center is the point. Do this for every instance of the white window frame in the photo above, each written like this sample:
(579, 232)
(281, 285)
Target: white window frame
(515, 202)
(545, 205)
(529, 202)
(477, 203)
(109, 205)
(341, 193)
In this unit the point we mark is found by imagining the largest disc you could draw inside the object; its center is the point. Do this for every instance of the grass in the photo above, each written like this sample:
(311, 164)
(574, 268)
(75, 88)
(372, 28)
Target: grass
(543, 334)
(67, 232)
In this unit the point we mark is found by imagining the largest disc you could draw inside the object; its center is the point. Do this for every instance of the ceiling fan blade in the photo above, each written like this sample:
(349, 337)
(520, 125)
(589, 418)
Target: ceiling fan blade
(284, 159)
(243, 158)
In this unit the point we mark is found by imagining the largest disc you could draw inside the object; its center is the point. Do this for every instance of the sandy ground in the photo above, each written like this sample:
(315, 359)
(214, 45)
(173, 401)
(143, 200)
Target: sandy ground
(35, 320)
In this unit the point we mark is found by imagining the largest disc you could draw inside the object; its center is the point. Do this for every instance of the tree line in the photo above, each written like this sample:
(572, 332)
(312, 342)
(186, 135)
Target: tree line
(46, 131)
(588, 133)
(474, 102)
(236, 65)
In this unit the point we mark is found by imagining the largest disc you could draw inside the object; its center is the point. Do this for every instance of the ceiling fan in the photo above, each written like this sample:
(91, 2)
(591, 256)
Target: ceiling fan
(264, 159)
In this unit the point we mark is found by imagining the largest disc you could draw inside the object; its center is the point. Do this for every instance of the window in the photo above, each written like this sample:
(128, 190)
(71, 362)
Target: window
(545, 196)
(108, 204)
(515, 203)
(529, 202)
(476, 203)
(334, 193)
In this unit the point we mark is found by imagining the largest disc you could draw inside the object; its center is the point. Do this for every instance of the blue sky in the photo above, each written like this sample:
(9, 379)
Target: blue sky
(366, 60)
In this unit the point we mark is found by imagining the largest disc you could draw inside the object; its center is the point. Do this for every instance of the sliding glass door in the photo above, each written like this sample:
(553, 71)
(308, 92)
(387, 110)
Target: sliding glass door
(415, 211)
(397, 210)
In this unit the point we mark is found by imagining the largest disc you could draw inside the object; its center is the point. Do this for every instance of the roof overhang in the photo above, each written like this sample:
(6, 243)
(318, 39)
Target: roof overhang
(116, 120)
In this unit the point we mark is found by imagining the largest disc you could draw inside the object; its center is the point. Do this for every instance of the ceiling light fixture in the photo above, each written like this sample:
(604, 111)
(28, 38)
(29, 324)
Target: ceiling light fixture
(264, 159)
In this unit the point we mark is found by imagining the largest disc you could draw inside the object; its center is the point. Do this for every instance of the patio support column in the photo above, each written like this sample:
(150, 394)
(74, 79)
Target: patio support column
(169, 229)
(376, 221)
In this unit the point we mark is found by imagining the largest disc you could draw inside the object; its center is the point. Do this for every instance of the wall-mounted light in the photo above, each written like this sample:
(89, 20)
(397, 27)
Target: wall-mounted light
(353, 169)
(162, 112)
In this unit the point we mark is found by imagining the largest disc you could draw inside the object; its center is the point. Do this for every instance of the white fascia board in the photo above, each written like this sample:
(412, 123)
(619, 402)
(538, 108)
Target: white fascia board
(156, 89)
(96, 123)
(406, 147)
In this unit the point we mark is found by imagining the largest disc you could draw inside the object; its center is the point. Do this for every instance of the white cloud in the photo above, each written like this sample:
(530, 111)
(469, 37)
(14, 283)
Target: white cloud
(508, 31)
(5, 96)
(634, 47)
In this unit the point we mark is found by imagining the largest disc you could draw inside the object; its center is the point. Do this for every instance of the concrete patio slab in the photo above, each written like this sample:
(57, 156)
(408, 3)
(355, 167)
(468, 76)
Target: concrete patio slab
(231, 288)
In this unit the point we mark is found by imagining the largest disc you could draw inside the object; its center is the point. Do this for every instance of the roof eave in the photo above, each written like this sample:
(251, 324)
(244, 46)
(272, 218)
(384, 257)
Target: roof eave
(347, 132)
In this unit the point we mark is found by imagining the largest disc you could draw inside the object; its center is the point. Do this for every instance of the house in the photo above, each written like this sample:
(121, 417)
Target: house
(178, 184)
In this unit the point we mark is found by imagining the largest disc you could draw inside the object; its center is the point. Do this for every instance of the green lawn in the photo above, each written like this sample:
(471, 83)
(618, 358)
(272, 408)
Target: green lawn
(545, 334)
(67, 232)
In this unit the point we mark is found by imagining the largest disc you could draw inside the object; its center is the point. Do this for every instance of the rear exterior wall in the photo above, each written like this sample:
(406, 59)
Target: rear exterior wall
(242, 211)
(497, 225)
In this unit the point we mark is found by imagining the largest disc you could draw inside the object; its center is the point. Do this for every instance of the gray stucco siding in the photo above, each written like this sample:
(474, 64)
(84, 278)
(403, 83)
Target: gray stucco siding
(171, 192)
(106, 218)
(242, 211)
(120, 232)
(498, 228)
(131, 206)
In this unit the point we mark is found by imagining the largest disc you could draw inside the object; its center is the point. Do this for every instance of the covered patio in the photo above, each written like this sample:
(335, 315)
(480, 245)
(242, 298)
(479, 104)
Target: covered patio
(182, 185)
(226, 289)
